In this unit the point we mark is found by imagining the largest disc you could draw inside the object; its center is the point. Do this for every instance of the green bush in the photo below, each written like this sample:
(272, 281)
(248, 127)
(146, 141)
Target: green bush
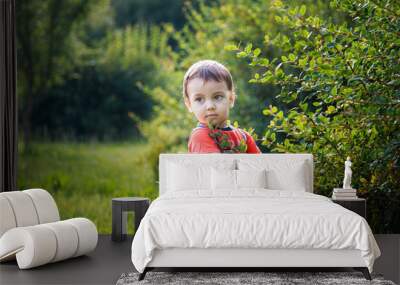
(341, 84)
(96, 99)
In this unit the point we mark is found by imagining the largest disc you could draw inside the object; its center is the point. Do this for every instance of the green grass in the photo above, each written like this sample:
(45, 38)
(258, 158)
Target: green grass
(84, 177)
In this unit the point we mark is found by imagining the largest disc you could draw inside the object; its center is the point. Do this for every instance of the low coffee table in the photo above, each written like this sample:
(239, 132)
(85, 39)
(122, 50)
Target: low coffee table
(120, 207)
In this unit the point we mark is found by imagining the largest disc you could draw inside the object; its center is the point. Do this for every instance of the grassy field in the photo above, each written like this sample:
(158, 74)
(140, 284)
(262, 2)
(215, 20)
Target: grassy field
(83, 177)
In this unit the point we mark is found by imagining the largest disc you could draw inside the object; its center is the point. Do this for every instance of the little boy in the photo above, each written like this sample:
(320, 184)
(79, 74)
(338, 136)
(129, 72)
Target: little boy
(209, 93)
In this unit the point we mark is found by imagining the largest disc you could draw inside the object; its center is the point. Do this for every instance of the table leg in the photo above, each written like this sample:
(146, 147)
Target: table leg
(117, 222)
(124, 224)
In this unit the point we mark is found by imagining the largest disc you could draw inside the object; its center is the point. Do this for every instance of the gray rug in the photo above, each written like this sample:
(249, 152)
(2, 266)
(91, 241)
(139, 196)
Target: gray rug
(228, 278)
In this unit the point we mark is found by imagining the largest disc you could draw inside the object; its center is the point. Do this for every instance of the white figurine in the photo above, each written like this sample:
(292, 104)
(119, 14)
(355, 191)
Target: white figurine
(347, 174)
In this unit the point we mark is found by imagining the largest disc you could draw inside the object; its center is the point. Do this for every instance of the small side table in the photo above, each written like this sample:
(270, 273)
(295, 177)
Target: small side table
(120, 207)
(357, 205)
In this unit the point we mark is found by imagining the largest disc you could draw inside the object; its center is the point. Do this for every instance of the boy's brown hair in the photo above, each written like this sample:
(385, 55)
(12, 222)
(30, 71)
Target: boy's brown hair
(208, 70)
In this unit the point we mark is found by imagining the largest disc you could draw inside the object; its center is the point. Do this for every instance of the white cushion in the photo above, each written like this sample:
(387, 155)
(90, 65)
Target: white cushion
(7, 220)
(226, 179)
(223, 179)
(292, 179)
(251, 178)
(67, 240)
(170, 174)
(290, 175)
(185, 175)
(45, 205)
(23, 208)
(87, 233)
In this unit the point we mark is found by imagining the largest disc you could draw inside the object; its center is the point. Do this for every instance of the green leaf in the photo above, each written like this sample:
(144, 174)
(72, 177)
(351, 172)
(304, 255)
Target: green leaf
(277, 4)
(241, 54)
(266, 79)
(264, 62)
(303, 9)
(292, 114)
(256, 52)
(279, 73)
(284, 58)
(330, 110)
(266, 112)
(248, 48)
(303, 62)
(334, 91)
(230, 47)
(304, 107)
(292, 57)
(347, 91)
(339, 47)
(278, 19)
(312, 63)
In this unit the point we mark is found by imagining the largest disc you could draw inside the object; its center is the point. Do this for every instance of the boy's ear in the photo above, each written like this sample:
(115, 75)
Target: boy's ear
(232, 99)
(187, 103)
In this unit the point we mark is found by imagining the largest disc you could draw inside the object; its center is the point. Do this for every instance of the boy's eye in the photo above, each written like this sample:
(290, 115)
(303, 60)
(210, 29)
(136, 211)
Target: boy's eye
(198, 99)
(219, 97)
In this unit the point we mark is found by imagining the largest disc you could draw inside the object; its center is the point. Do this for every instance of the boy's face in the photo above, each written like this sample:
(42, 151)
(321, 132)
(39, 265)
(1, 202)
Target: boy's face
(209, 101)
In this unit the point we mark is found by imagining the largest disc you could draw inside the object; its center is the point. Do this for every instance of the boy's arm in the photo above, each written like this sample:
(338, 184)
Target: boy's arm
(201, 142)
(251, 144)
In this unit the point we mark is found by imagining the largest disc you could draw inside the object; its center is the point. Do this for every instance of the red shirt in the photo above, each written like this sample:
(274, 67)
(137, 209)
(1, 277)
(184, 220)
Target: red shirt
(201, 142)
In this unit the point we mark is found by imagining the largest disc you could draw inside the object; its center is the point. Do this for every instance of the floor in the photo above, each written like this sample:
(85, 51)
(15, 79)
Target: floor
(103, 266)
(111, 259)
(389, 262)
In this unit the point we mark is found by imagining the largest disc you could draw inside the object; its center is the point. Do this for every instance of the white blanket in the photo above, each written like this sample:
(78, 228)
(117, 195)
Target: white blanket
(253, 218)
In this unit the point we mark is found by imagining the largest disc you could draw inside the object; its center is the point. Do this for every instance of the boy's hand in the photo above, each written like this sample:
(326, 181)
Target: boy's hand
(223, 143)
(242, 147)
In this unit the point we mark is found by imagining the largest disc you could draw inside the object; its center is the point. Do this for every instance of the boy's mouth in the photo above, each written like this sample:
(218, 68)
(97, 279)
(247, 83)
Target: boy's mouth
(211, 115)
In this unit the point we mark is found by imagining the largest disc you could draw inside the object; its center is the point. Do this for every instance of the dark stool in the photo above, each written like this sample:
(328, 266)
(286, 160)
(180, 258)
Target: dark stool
(120, 207)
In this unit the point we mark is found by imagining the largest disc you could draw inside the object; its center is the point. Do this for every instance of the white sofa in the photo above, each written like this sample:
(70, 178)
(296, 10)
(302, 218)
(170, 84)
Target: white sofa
(31, 231)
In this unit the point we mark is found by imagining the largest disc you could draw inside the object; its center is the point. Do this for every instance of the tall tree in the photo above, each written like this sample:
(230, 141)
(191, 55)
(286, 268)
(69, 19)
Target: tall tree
(44, 48)
(130, 12)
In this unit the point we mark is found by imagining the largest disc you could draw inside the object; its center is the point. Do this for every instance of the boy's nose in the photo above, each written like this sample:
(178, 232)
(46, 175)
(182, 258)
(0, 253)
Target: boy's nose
(210, 105)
